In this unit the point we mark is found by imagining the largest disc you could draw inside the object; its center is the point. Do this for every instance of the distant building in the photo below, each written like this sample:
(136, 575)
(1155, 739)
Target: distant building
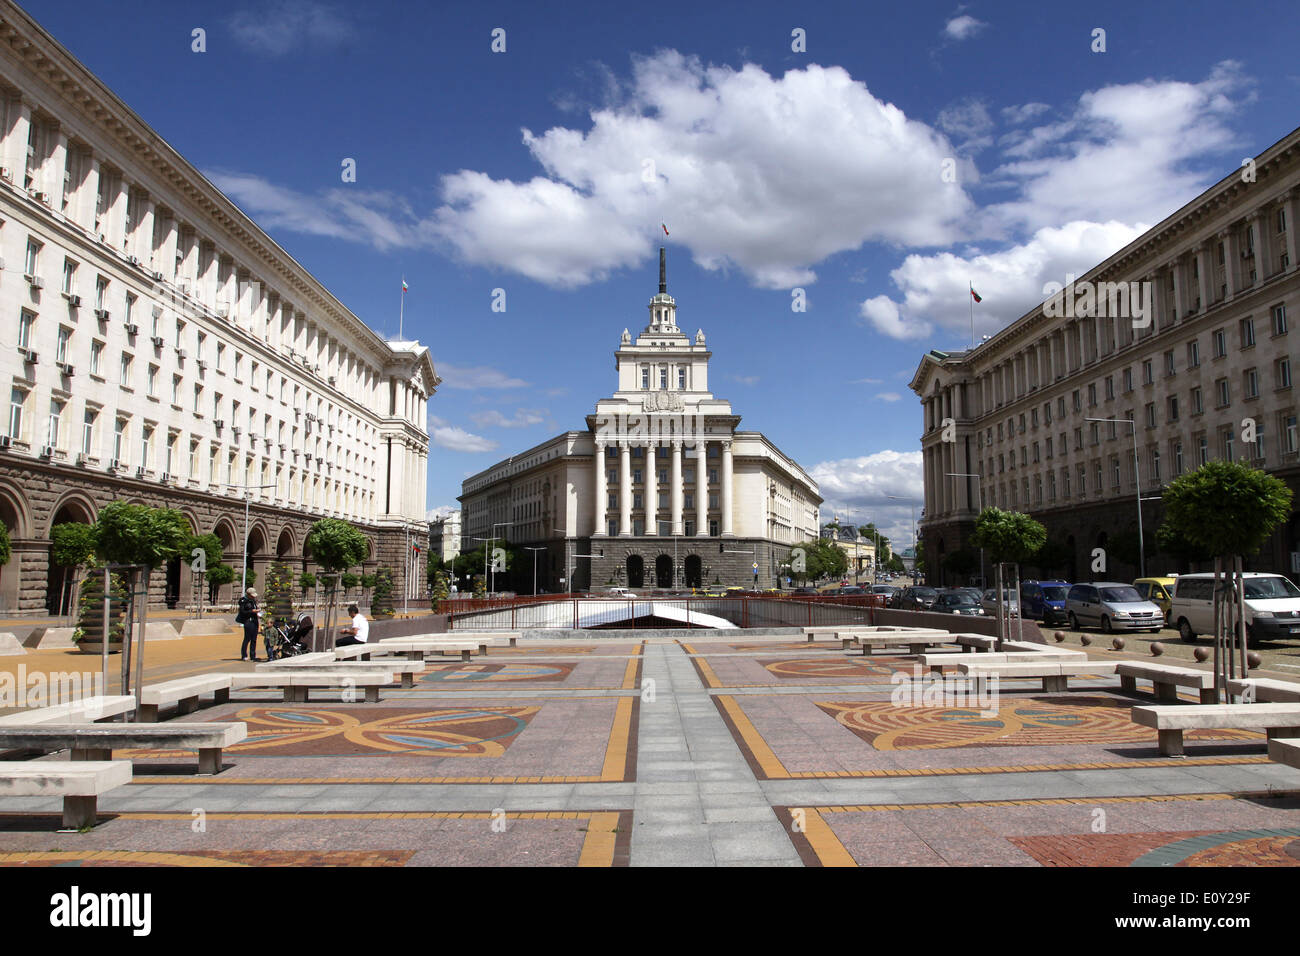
(444, 536)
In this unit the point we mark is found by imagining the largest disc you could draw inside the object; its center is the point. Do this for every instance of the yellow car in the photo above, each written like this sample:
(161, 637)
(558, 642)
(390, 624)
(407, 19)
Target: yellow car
(1158, 591)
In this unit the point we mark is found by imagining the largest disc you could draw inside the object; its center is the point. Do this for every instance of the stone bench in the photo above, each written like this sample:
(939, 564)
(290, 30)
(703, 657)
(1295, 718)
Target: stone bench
(1055, 674)
(1171, 720)
(184, 692)
(1166, 679)
(304, 658)
(86, 710)
(495, 637)
(917, 639)
(98, 741)
(936, 662)
(297, 683)
(975, 642)
(408, 669)
(1027, 647)
(1285, 750)
(415, 648)
(79, 783)
(1267, 690)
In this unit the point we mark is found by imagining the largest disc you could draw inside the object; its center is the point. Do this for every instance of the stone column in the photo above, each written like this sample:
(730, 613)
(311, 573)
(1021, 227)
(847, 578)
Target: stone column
(624, 488)
(1263, 247)
(1231, 263)
(1180, 293)
(1291, 205)
(1203, 275)
(725, 500)
(651, 487)
(702, 489)
(600, 492)
(675, 488)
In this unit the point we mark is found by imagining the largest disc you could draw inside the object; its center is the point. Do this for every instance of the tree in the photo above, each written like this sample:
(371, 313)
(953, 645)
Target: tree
(306, 581)
(72, 547)
(349, 581)
(216, 576)
(90, 610)
(441, 588)
(1171, 542)
(1052, 556)
(6, 551)
(1229, 510)
(1009, 537)
(382, 605)
(961, 563)
(279, 591)
(336, 546)
(367, 584)
(212, 550)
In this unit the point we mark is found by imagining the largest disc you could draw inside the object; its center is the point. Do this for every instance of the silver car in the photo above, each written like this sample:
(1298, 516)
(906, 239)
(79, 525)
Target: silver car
(1009, 597)
(1112, 606)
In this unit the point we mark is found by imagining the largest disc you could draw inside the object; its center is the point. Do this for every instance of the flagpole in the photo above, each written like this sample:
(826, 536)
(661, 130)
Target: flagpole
(401, 310)
(972, 312)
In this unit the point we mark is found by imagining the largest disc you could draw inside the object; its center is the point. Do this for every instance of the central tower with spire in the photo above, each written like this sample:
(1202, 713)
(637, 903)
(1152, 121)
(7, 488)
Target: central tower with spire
(663, 307)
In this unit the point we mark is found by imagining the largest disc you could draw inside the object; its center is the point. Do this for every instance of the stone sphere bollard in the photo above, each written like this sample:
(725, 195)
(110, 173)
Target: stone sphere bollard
(1118, 643)
(1085, 639)
(1253, 659)
(1058, 636)
(1157, 649)
(1201, 654)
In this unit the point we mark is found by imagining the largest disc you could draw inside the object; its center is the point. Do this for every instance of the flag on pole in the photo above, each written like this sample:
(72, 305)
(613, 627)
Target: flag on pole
(975, 295)
(404, 287)
(665, 228)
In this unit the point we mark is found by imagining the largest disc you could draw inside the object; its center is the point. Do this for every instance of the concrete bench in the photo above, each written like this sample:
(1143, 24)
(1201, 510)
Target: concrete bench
(496, 637)
(296, 683)
(917, 639)
(304, 658)
(975, 642)
(1166, 679)
(1055, 674)
(79, 784)
(184, 692)
(1267, 690)
(1285, 750)
(408, 669)
(937, 662)
(1171, 720)
(98, 741)
(1028, 647)
(86, 710)
(415, 648)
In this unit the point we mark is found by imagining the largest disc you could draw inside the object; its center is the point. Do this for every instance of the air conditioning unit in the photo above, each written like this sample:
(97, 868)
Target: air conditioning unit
(184, 288)
(132, 330)
(81, 458)
(66, 368)
(219, 423)
(34, 281)
(101, 314)
(74, 300)
(180, 354)
(306, 362)
(115, 464)
(135, 260)
(28, 355)
(157, 277)
(223, 311)
(139, 472)
(6, 174)
(166, 478)
(42, 198)
(5, 441)
(332, 379)
(203, 365)
(47, 451)
(320, 461)
(157, 341)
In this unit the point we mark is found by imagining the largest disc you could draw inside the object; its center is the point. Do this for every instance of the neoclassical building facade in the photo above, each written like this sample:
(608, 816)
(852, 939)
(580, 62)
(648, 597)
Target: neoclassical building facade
(1041, 418)
(166, 351)
(662, 489)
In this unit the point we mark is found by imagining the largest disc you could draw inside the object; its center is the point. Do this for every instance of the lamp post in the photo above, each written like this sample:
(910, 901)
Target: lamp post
(979, 490)
(246, 489)
(534, 550)
(912, 504)
(1137, 482)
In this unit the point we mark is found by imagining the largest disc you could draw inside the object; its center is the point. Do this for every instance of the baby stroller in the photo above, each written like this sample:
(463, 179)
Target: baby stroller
(289, 639)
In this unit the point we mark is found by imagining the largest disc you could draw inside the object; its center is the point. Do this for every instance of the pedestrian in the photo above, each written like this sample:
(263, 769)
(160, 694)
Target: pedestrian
(358, 633)
(249, 616)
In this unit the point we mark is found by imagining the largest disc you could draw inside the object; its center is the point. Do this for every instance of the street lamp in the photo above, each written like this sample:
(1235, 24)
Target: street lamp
(912, 502)
(247, 488)
(1137, 482)
(979, 490)
(534, 550)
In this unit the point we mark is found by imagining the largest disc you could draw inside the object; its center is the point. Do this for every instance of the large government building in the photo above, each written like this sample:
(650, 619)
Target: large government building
(166, 351)
(660, 490)
(1204, 373)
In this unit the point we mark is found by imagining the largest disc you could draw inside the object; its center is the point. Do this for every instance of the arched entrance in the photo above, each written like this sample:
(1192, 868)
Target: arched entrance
(635, 571)
(1071, 564)
(694, 571)
(59, 580)
(663, 571)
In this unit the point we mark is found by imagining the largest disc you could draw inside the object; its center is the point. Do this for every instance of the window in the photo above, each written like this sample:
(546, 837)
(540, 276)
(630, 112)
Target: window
(239, 367)
(221, 358)
(1114, 473)
(681, 378)
(663, 376)
(1047, 413)
(1049, 447)
(61, 350)
(1247, 333)
(1148, 372)
(1289, 431)
(1092, 396)
(146, 437)
(1083, 481)
(1169, 363)
(645, 377)
(1259, 441)
(1202, 450)
(153, 382)
(130, 307)
(1283, 373)
(1065, 481)
(1155, 465)
(1227, 444)
(1128, 380)
(1110, 388)
(1173, 408)
(96, 354)
(17, 399)
(69, 277)
(1078, 438)
(88, 430)
(1220, 340)
(1078, 401)
(1151, 415)
(1279, 319)
(32, 261)
(124, 377)
(176, 390)
(1224, 392)
(1094, 433)
(101, 290)
(1178, 458)
(1198, 403)
(1060, 407)
(1252, 383)
(1193, 354)
(26, 322)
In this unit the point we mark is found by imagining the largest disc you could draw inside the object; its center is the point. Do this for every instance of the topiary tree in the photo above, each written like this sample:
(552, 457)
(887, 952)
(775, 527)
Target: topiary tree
(349, 581)
(441, 588)
(279, 591)
(1010, 537)
(367, 585)
(216, 576)
(1229, 510)
(336, 546)
(382, 605)
(306, 581)
(90, 610)
(72, 547)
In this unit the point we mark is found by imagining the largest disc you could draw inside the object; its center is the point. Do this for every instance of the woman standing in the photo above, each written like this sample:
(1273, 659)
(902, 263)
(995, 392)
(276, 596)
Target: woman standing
(249, 617)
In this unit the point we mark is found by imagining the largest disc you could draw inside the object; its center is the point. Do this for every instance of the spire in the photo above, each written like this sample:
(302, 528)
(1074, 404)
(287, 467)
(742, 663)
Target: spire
(663, 271)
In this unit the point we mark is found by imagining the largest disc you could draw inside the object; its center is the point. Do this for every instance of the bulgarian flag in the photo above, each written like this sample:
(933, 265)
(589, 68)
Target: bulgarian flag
(975, 295)
(664, 228)
(405, 289)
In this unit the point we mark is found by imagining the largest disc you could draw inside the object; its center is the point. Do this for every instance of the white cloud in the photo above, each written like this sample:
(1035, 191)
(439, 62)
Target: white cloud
(858, 489)
(936, 288)
(276, 28)
(867, 381)
(968, 120)
(963, 27)
(745, 379)
(1015, 115)
(888, 396)
(476, 377)
(448, 436)
(441, 511)
(522, 418)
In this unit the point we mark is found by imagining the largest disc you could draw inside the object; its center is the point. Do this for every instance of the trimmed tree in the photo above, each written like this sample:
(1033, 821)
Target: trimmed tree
(279, 591)
(1229, 510)
(90, 611)
(336, 546)
(72, 547)
(382, 605)
(216, 576)
(1009, 537)
(306, 581)
(349, 581)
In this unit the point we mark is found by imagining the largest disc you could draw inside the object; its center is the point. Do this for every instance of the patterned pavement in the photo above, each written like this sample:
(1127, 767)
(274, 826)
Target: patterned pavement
(711, 752)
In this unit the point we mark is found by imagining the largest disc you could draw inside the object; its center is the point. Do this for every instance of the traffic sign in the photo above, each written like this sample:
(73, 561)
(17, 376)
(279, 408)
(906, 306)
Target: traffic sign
(755, 567)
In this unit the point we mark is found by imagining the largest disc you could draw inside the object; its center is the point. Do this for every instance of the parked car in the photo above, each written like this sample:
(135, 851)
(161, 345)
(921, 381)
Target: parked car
(1159, 591)
(976, 593)
(851, 589)
(619, 593)
(1111, 605)
(1044, 600)
(958, 601)
(1272, 606)
(917, 598)
(989, 601)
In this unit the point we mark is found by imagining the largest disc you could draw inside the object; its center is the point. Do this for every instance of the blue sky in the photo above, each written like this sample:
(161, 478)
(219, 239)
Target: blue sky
(775, 170)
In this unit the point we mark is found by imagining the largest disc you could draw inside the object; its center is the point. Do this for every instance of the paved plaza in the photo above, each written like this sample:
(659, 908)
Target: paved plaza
(704, 751)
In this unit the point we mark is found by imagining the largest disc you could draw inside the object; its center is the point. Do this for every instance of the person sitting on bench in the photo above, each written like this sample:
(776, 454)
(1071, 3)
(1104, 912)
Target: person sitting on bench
(358, 633)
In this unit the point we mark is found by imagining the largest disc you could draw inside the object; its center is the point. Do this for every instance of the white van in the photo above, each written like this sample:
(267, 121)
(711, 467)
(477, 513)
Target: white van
(1272, 606)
